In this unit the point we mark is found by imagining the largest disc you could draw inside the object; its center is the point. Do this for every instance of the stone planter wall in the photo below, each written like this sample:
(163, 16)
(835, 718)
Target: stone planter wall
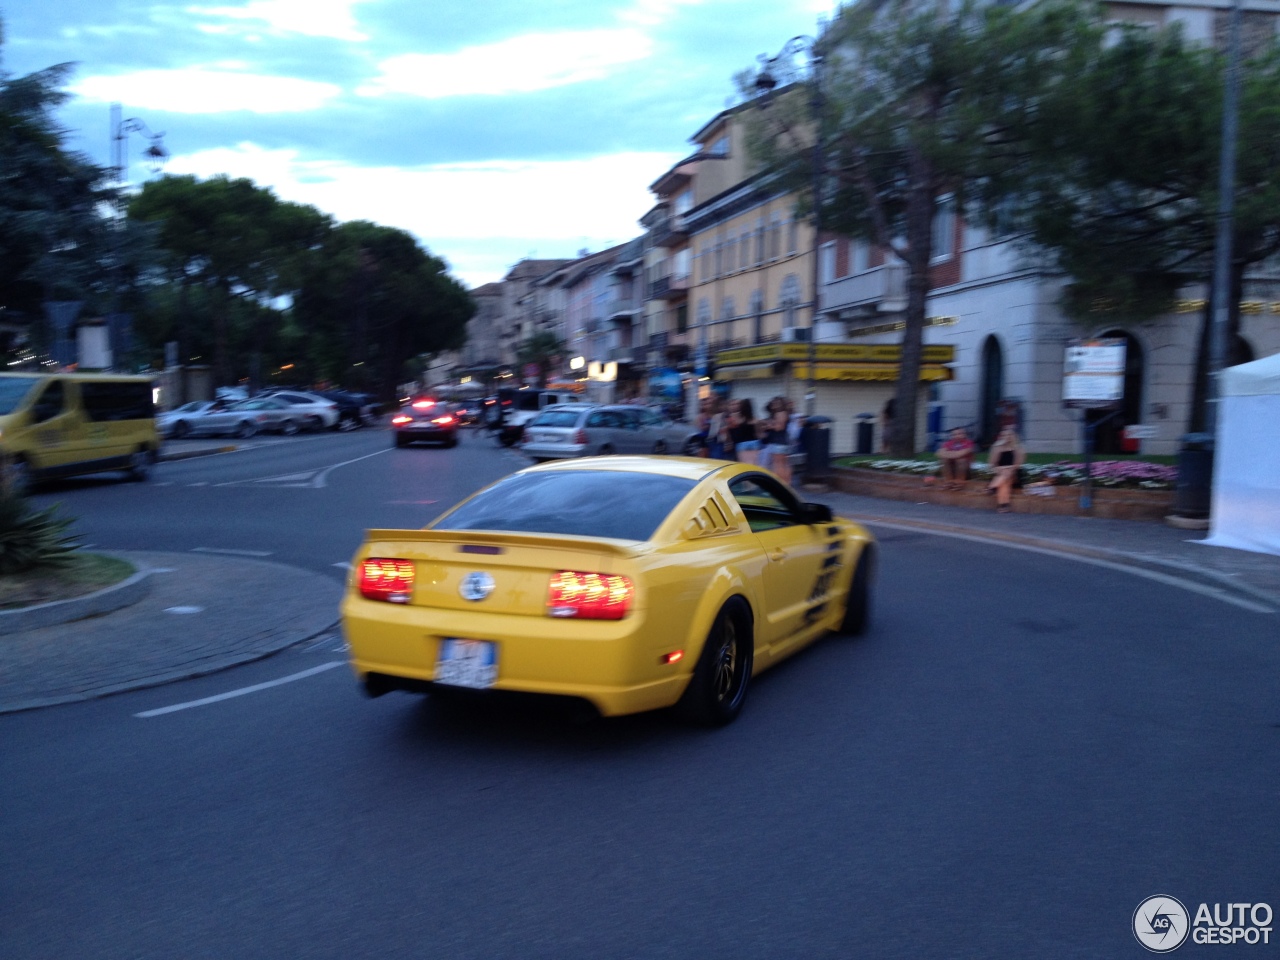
(1111, 503)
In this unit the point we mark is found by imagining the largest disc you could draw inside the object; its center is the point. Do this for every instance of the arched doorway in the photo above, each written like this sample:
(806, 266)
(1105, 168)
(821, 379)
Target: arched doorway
(1109, 438)
(992, 390)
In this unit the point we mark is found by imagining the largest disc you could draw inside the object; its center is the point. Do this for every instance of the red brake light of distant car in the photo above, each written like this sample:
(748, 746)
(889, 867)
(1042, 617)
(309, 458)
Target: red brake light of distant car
(402, 419)
(443, 421)
(423, 404)
(580, 437)
(387, 579)
(589, 596)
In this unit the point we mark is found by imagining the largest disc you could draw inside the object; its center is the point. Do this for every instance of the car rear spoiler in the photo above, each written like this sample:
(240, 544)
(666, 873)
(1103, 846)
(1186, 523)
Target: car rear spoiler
(481, 538)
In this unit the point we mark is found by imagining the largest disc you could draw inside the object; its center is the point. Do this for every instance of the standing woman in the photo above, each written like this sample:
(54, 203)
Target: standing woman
(1005, 459)
(777, 442)
(742, 430)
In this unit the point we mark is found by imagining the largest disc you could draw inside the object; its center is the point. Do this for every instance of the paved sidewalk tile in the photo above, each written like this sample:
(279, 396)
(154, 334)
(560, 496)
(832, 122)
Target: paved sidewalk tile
(203, 614)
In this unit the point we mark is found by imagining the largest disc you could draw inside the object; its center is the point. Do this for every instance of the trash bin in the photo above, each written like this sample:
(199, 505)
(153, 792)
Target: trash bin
(1195, 476)
(865, 439)
(815, 440)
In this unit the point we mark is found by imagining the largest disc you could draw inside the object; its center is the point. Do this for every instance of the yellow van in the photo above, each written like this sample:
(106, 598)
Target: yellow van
(59, 424)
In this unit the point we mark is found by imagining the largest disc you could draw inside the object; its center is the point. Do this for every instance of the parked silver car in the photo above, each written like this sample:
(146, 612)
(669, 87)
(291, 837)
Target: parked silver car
(318, 413)
(206, 418)
(582, 430)
(273, 415)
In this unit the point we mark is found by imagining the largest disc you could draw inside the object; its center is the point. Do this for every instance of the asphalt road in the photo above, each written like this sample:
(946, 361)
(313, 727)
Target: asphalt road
(1019, 752)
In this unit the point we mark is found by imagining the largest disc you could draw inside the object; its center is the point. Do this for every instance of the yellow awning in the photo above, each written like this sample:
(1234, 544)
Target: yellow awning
(929, 372)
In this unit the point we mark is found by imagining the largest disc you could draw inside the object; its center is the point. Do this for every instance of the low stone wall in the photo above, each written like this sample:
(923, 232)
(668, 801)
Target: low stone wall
(1108, 502)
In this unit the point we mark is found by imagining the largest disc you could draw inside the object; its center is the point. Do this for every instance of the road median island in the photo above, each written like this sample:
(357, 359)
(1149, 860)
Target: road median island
(91, 584)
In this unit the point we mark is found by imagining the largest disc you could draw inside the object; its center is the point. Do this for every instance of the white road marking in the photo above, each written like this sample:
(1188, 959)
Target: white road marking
(313, 479)
(343, 566)
(232, 553)
(163, 483)
(160, 711)
(202, 483)
(1167, 579)
(184, 609)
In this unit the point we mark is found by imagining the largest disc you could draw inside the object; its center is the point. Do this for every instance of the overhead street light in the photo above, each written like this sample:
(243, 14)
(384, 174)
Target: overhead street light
(781, 68)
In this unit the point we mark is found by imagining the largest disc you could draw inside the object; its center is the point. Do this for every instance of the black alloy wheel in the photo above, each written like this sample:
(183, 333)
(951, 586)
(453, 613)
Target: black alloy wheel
(246, 429)
(289, 428)
(857, 605)
(181, 429)
(718, 687)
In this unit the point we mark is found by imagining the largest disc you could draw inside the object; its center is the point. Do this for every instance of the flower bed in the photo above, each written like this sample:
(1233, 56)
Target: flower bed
(1124, 474)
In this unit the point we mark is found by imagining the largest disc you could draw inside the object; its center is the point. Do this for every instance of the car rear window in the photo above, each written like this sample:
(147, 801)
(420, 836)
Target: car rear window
(582, 503)
(556, 418)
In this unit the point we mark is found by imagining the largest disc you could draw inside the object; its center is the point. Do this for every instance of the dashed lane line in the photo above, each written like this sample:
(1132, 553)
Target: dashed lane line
(218, 698)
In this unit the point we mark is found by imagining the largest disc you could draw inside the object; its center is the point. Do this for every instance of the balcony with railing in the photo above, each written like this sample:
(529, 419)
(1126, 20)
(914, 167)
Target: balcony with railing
(622, 308)
(668, 288)
(883, 288)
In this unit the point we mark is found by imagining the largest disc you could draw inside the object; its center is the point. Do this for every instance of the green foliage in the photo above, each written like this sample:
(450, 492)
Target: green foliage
(31, 538)
(904, 110)
(53, 238)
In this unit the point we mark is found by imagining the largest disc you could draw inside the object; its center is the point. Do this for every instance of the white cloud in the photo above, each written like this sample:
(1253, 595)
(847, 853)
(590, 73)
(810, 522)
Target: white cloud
(651, 13)
(309, 18)
(494, 212)
(536, 61)
(202, 90)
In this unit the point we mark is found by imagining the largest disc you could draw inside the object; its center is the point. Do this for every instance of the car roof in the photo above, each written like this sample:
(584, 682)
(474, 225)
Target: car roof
(685, 468)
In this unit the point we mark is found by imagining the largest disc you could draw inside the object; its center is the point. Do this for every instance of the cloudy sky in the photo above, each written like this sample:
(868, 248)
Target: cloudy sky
(490, 129)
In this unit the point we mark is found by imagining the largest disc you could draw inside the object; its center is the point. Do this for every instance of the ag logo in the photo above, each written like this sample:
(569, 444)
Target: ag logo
(476, 586)
(1161, 924)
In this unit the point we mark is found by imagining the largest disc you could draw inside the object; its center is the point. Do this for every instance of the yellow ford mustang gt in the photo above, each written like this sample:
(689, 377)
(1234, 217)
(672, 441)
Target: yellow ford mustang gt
(633, 583)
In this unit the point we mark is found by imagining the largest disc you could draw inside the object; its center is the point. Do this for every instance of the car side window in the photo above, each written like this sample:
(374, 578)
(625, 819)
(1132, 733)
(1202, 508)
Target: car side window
(651, 419)
(766, 504)
(628, 419)
(599, 418)
(50, 403)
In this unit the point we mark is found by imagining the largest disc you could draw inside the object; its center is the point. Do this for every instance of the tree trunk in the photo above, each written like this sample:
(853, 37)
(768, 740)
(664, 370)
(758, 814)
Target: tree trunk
(919, 228)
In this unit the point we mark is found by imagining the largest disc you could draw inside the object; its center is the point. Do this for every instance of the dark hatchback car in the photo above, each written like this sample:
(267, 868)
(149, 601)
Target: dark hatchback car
(427, 420)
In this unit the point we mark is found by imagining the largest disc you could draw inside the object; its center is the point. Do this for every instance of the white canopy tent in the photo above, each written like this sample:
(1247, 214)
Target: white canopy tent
(1246, 467)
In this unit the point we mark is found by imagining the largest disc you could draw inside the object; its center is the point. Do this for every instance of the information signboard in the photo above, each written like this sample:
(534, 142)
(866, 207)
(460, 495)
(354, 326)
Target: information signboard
(1093, 374)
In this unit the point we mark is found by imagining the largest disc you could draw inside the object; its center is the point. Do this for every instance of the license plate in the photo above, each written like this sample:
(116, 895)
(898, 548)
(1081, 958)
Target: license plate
(467, 663)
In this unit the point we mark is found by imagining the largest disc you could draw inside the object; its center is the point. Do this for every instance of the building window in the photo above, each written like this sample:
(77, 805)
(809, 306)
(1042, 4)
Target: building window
(720, 148)
(728, 309)
(744, 250)
(684, 202)
(793, 237)
(827, 265)
(731, 255)
(719, 261)
(681, 261)
(775, 239)
(760, 241)
(682, 318)
(860, 256)
(944, 228)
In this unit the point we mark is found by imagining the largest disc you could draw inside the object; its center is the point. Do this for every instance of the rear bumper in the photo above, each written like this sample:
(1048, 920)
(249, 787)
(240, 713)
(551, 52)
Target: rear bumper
(426, 434)
(612, 665)
(553, 451)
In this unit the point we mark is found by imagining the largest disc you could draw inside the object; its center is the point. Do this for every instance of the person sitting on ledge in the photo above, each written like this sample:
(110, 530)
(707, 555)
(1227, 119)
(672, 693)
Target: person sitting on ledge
(1005, 458)
(956, 457)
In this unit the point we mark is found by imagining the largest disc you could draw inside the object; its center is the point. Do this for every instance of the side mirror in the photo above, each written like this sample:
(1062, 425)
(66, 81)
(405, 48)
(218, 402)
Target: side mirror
(817, 513)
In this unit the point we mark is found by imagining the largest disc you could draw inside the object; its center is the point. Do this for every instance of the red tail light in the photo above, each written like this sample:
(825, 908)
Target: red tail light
(589, 596)
(387, 579)
(443, 421)
(423, 404)
(580, 437)
(402, 419)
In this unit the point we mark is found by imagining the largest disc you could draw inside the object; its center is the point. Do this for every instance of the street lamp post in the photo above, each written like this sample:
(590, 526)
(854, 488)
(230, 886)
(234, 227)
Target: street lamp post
(156, 155)
(766, 80)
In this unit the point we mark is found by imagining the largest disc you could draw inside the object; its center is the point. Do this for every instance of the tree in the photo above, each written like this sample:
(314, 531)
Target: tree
(242, 243)
(54, 240)
(540, 349)
(373, 295)
(1117, 185)
(906, 115)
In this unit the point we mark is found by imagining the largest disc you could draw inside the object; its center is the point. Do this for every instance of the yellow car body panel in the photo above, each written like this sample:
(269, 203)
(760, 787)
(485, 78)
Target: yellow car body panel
(794, 580)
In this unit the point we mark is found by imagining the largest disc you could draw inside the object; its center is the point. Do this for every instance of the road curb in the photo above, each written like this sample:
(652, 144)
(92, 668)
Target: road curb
(165, 457)
(107, 600)
(189, 672)
(1122, 558)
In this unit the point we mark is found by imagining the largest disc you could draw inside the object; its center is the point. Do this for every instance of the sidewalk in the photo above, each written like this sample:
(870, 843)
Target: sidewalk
(206, 613)
(1146, 545)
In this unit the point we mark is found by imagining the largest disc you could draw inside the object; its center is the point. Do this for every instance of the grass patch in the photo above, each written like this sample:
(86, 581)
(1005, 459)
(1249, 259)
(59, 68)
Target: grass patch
(85, 573)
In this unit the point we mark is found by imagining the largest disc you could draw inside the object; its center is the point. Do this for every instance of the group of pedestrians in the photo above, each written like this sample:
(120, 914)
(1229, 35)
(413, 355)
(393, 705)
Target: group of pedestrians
(1004, 459)
(731, 431)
